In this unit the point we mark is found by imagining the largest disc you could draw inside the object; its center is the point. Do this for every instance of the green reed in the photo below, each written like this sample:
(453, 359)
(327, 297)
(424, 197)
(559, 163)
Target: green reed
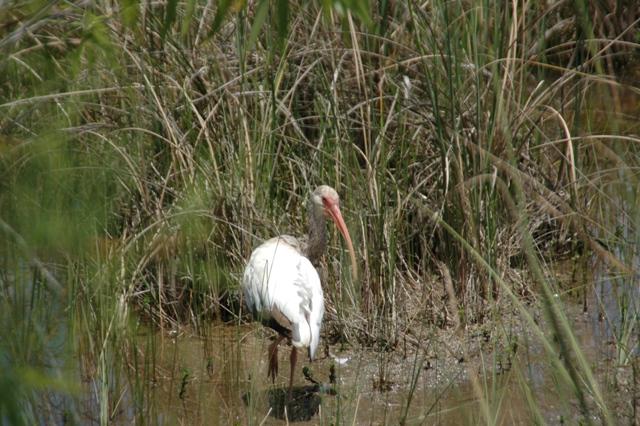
(147, 148)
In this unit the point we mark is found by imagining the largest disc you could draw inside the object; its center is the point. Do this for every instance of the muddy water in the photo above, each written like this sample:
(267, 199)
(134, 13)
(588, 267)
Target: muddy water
(218, 376)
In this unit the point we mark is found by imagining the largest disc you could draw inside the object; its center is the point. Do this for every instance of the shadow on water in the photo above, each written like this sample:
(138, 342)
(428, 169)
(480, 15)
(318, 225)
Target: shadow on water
(303, 406)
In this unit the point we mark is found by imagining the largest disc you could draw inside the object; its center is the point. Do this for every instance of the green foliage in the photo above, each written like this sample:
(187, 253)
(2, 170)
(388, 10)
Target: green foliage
(16, 386)
(145, 148)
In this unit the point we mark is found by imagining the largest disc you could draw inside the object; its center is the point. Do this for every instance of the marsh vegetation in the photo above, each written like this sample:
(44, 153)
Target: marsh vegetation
(487, 158)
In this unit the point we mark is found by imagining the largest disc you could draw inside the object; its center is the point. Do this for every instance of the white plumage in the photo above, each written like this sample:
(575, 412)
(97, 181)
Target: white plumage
(279, 277)
(282, 287)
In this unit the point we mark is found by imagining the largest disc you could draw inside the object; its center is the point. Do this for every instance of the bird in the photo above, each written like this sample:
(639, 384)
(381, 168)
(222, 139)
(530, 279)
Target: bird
(281, 286)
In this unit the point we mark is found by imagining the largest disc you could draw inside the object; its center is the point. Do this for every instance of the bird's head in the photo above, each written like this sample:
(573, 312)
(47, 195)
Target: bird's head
(326, 199)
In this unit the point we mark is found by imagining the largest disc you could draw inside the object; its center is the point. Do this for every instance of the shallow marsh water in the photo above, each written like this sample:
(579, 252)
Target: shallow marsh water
(219, 377)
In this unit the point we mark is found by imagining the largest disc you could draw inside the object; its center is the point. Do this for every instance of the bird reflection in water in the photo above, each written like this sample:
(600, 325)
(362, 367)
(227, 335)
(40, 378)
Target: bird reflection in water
(298, 403)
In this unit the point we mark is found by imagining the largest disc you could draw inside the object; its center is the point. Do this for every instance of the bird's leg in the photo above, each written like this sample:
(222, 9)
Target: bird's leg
(292, 359)
(273, 358)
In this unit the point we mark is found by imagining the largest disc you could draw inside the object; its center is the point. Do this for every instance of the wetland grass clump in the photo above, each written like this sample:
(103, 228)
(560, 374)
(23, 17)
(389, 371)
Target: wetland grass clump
(146, 148)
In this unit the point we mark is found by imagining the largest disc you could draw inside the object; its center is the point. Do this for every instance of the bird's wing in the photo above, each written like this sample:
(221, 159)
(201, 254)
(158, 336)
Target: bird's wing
(282, 285)
(306, 306)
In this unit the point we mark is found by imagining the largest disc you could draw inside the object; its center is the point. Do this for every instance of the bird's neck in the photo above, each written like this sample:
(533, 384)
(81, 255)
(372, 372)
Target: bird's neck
(317, 237)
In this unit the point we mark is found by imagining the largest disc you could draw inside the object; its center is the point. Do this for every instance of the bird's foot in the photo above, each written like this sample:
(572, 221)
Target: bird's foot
(309, 376)
(273, 371)
(273, 362)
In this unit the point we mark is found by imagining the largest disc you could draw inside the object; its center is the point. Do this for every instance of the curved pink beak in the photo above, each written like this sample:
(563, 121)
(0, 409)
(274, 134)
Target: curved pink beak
(334, 211)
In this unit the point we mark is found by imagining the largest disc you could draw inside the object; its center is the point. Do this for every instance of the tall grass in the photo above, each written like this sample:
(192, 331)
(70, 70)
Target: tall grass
(147, 147)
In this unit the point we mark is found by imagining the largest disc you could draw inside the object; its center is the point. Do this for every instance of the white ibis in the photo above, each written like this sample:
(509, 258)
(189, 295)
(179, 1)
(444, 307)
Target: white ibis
(282, 287)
